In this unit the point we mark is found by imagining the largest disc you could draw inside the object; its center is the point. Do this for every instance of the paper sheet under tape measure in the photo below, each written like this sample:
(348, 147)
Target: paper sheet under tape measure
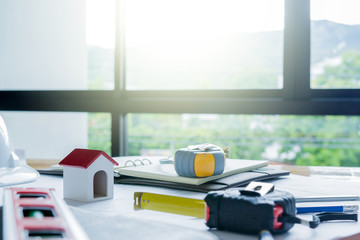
(38, 212)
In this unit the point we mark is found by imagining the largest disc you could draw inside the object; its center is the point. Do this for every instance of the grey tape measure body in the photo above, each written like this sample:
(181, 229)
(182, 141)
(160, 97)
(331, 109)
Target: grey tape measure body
(184, 161)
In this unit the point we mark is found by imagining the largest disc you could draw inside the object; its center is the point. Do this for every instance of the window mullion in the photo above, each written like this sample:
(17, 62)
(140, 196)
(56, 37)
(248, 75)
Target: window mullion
(297, 50)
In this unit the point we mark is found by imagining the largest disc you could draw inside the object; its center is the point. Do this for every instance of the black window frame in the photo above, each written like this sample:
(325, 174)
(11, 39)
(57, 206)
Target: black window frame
(295, 98)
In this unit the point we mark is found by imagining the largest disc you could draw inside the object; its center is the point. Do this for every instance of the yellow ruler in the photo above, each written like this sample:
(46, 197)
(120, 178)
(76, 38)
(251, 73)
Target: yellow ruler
(170, 204)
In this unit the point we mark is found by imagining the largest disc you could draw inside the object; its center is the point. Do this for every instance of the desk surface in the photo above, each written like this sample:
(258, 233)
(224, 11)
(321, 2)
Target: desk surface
(116, 217)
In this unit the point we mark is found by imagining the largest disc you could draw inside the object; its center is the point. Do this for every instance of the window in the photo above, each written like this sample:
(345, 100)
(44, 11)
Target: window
(335, 51)
(299, 140)
(148, 77)
(204, 44)
(100, 42)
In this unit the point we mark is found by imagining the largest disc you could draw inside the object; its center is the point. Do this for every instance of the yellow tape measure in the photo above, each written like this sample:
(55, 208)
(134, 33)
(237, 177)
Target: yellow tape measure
(170, 204)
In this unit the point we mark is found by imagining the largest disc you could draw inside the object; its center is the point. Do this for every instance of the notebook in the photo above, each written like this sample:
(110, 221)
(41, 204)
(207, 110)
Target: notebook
(221, 183)
(159, 168)
(236, 180)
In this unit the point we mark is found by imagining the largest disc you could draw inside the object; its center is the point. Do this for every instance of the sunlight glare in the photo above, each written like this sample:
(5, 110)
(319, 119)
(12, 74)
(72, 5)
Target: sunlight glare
(200, 19)
(340, 11)
(100, 23)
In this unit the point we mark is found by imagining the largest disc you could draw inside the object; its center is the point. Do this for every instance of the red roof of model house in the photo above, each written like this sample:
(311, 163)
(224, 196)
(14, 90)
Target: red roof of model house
(84, 158)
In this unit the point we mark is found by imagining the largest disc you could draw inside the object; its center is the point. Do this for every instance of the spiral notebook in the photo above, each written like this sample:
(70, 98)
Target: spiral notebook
(160, 168)
(159, 171)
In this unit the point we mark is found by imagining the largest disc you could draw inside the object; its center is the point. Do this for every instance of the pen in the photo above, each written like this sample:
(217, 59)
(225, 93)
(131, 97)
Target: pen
(265, 235)
(345, 208)
(330, 198)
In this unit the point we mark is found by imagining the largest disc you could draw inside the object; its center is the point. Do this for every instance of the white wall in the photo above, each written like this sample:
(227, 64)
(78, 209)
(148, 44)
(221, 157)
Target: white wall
(46, 135)
(42, 44)
(43, 47)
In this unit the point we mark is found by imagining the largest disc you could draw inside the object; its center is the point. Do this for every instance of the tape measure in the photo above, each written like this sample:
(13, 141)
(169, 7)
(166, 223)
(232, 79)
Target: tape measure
(201, 160)
(244, 210)
(248, 213)
(37, 213)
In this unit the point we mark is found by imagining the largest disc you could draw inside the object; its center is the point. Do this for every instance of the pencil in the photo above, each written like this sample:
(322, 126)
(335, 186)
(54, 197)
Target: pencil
(344, 208)
(331, 198)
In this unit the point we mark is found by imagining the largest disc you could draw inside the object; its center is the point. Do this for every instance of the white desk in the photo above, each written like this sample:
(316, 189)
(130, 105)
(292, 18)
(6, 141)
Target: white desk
(116, 219)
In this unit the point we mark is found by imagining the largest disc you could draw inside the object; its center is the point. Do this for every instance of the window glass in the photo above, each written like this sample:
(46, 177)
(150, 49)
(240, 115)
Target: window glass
(53, 135)
(99, 131)
(57, 45)
(335, 45)
(100, 42)
(306, 140)
(204, 44)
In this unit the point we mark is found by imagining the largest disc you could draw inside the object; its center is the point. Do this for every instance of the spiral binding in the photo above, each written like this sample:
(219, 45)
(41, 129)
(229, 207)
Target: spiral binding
(136, 162)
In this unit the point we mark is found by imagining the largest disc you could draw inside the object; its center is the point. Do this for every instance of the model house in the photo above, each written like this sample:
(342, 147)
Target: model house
(88, 175)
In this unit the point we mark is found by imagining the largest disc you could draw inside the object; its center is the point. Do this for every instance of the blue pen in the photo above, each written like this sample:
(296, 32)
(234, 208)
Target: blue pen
(345, 208)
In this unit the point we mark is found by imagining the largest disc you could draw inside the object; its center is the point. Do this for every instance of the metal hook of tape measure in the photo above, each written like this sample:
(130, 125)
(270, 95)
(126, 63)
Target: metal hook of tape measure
(252, 189)
(260, 187)
(257, 189)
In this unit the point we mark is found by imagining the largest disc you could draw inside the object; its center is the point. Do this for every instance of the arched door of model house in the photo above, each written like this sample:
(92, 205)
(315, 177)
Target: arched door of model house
(100, 184)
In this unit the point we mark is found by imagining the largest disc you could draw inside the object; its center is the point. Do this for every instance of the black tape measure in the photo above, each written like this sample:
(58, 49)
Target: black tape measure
(249, 212)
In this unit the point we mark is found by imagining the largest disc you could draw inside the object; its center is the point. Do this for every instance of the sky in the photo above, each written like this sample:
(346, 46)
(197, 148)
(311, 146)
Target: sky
(160, 19)
(341, 11)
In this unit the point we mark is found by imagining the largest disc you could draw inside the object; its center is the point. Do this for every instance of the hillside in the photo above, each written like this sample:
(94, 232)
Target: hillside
(233, 59)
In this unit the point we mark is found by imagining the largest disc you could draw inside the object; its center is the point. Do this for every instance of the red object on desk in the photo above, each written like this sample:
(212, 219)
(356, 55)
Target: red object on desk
(84, 158)
(37, 212)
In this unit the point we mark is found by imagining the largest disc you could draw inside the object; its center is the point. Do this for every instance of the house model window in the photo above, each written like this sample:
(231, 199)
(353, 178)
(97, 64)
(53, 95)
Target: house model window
(88, 175)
